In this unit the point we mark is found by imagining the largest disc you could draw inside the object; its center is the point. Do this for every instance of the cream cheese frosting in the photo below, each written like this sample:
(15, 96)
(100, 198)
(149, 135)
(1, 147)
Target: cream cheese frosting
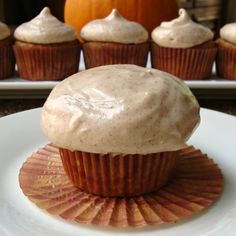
(120, 109)
(181, 32)
(114, 28)
(228, 32)
(45, 29)
(4, 31)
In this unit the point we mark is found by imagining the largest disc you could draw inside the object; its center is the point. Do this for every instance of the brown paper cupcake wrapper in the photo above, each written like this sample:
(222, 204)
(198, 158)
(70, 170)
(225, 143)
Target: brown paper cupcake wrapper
(197, 184)
(7, 60)
(187, 64)
(226, 60)
(47, 62)
(98, 54)
(122, 175)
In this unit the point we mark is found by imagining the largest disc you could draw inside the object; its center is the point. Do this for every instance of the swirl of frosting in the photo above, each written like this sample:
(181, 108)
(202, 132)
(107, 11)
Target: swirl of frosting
(114, 28)
(4, 31)
(228, 32)
(120, 109)
(181, 32)
(45, 29)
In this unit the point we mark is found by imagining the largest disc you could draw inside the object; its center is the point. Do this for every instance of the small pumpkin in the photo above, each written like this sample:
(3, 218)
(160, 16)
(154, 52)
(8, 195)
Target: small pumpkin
(150, 13)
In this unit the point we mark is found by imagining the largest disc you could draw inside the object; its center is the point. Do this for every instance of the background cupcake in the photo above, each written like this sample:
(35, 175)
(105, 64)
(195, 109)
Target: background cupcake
(119, 127)
(46, 49)
(114, 40)
(226, 56)
(183, 48)
(7, 61)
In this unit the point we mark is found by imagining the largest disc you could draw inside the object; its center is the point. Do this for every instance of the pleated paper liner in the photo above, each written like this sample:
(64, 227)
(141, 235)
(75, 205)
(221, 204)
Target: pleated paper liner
(99, 53)
(122, 175)
(45, 62)
(7, 59)
(197, 184)
(186, 63)
(225, 60)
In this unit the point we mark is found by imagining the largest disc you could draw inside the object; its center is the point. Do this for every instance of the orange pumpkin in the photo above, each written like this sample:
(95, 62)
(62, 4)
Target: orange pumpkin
(147, 12)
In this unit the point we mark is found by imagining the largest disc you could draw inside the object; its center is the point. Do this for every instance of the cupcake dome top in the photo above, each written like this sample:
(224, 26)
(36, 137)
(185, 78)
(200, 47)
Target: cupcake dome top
(4, 31)
(228, 32)
(45, 29)
(120, 109)
(114, 28)
(181, 32)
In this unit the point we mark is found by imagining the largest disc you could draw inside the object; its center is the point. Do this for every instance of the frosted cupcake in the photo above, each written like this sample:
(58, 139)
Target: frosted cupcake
(114, 40)
(119, 127)
(226, 57)
(7, 61)
(183, 48)
(46, 49)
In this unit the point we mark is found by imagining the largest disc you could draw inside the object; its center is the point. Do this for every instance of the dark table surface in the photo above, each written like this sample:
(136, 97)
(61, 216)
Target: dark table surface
(10, 106)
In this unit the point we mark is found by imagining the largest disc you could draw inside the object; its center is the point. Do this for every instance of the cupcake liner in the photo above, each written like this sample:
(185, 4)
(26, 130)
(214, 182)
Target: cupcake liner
(185, 63)
(98, 54)
(47, 62)
(122, 175)
(225, 60)
(196, 185)
(7, 60)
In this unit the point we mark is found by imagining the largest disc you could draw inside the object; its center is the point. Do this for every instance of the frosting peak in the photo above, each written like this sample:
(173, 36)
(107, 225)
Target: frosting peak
(113, 15)
(228, 32)
(182, 19)
(45, 12)
(114, 28)
(45, 29)
(120, 109)
(4, 31)
(181, 32)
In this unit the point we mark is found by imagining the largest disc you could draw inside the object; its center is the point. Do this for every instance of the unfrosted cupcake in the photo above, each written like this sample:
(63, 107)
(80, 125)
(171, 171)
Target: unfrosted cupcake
(183, 48)
(114, 40)
(46, 49)
(119, 127)
(226, 57)
(7, 61)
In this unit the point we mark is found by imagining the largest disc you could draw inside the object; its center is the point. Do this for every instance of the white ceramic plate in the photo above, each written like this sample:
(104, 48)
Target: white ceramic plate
(21, 135)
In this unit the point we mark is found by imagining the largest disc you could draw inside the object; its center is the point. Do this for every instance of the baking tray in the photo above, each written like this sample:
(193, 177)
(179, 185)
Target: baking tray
(15, 87)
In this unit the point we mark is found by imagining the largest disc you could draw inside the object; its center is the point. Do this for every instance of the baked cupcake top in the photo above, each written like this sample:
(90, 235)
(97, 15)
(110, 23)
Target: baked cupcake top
(4, 31)
(120, 109)
(45, 29)
(228, 32)
(181, 32)
(114, 28)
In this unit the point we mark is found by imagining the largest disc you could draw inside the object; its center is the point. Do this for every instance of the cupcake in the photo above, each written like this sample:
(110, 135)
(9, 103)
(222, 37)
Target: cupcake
(226, 57)
(7, 61)
(119, 128)
(114, 40)
(183, 48)
(46, 49)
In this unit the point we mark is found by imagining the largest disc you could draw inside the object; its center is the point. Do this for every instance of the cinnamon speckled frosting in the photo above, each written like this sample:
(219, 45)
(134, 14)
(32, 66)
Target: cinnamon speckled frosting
(120, 109)
(181, 32)
(4, 31)
(228, 32)
(45, 29)
(114, 28)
